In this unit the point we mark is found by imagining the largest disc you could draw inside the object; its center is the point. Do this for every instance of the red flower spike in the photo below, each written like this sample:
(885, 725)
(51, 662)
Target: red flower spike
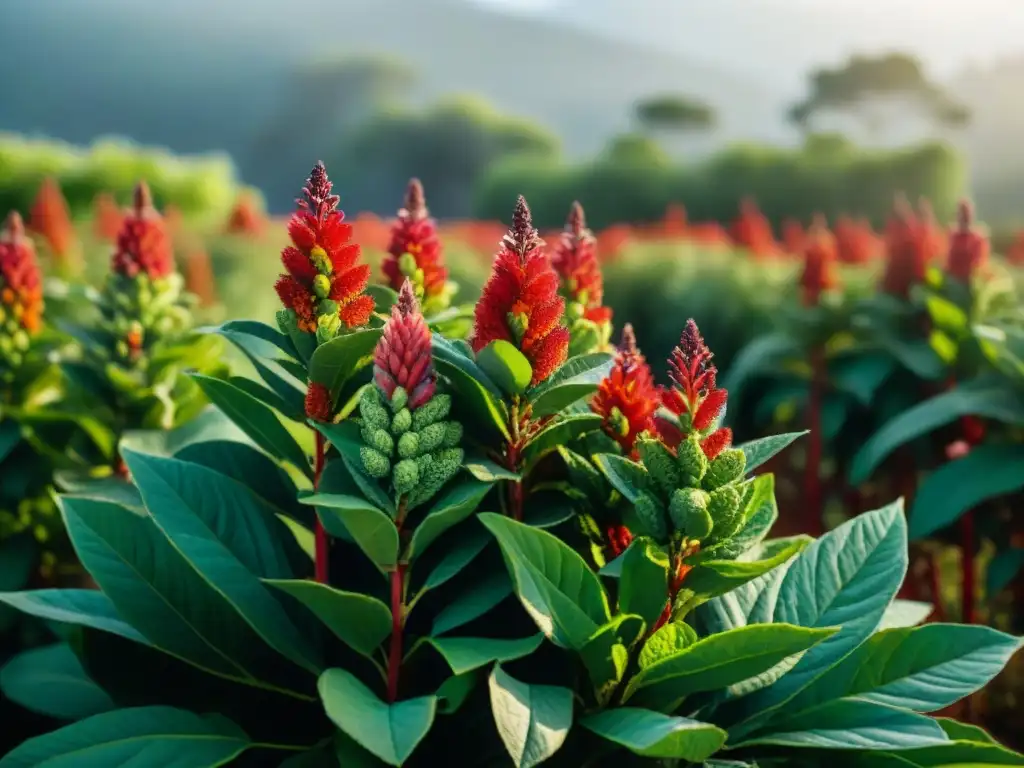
(143, 244)
(820, 256)
(321, 249)
(911, 243)
(709, 410)
(51, 219)
(619, 539)
(716, 442)
(520, 302)
(690, 366)
(968, 250)
(627, 398)
(21, 286)
(319, 404)
(415, 233)
(403, 354)
(575, 260)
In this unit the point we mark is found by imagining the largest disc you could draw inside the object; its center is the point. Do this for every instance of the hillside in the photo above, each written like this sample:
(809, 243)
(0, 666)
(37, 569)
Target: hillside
(194, 75)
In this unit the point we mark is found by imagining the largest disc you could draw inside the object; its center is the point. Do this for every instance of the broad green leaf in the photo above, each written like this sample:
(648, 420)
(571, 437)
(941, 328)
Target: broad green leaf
(958, 731)
(532, 720)
(242, 332)
(80, 607)
(574, 380)
(960, 485)
(643, 585)
(457, 557)
(457, 503)
(360, 621)
(757, 452)
(454, 691)
(712, 578)
(481, 597)
(721, 660)
(506, 365)
(652, 734)
(255, 419)
(112, 488)
(563, 431)
(923, 669)
(750, 603)
(555, 585)
(210, 425)
(472, 385)
(487, 471)
(141, 736)
(51, 681)
(847, 578)
(975, 398)
(389, 731)
(916, 356)
(606, 654)
(464, 654)
(905, 613)
(335, 362)
(292, 408)
(371, 529)
(952, 754)
(10, 436)
(861, 375)
(200, 522)
(852, 724)
(627, 477)
(667, 641)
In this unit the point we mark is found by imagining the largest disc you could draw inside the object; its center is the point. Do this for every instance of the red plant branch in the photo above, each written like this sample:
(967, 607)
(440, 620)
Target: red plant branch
(397, 616)
(322, 544)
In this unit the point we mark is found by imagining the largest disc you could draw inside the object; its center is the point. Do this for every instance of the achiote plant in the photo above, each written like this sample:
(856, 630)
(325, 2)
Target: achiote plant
(704, 641)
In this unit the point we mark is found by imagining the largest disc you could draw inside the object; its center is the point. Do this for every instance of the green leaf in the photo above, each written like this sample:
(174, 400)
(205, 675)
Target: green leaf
(51, 681)
(960, 485)
(10, 436)
(472, 385)
(757, 452)
(291, 404)
(852, 724)
(17, 559)
(464, 654)
(1003, 568)
(487, 471)
(905, 613)
(576, 379)
(384, 298)
(721, 660)
(643, 588)
(532, 720)
(255, 419)
(339, 359)
(140, 736)
(371, 529)
(80, 607)
(243, 332)
(952, 754)
(458, 503)
(976, 398)
(360, 621)
(555, 585)
(652, 734)
(672, 638)
(916, 356)
(562, 432)
(712, 578)
(606, 654)
(764, 353)
(457, 557)
(481, 597)
(389, 731)
(506, 365)
(199, 519)
(924, 669)
(627, 477)
(846, 578)
(861, 374)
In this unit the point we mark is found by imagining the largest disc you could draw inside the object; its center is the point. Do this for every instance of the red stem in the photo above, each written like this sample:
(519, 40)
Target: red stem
(515, 487)
(812, 477)
(322, 542)
(397, 620)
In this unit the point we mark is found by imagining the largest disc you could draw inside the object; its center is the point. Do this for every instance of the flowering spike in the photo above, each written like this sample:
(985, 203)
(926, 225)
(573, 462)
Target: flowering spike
(968, 250)
(403, 355)
(51, 219)
(690, 365)
(520, 302)
(21, 288)
(627, 398)
(414, 251)
(575, 260)
(716, 442)
(324, 283)
(820, 256)
(143, 244)
(709, 410)
(319, 405)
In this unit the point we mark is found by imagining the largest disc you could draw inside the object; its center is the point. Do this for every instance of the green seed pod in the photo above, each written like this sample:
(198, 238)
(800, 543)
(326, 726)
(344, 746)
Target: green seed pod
(408, 445)
(432, 437)
(375, 463)
(724, 507)
(689, 512)
(406, 476)
(651, 515)
(727, 467)
(692, 462)
(321, 286)
(398, 399)
(660, 464)
(423, 461)
(371, 408)
(453, 434)
(378, 439)
(287, 321)
(444, 466)
(401, 422)
(431, 412)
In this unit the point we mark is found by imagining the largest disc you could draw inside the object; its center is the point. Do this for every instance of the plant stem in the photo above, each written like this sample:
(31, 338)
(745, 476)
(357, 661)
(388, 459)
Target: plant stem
(322, 543)
(397, 620)
(812, 477)
(515, 487)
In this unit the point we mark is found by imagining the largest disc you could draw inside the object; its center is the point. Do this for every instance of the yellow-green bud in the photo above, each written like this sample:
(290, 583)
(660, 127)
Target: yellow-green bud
(727, 467)
(453, 434)
(407, 264)
(21, 341)
(408, 445)
(375, 463)
(518, 323)
(651, 515)
(724, 507)
(432, 437)
(660, 464)
(401, 423)
(689, 512)
(378, 439)
(321, 262)
(321, 286)
(406, 476)
(432, 411)
(327, 328)
(372, 409)
(618, 422)
(692, 462)
(398, 399)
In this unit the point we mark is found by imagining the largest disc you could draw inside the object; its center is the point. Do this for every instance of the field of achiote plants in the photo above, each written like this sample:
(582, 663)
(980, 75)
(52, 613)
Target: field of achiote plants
(685, 494)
